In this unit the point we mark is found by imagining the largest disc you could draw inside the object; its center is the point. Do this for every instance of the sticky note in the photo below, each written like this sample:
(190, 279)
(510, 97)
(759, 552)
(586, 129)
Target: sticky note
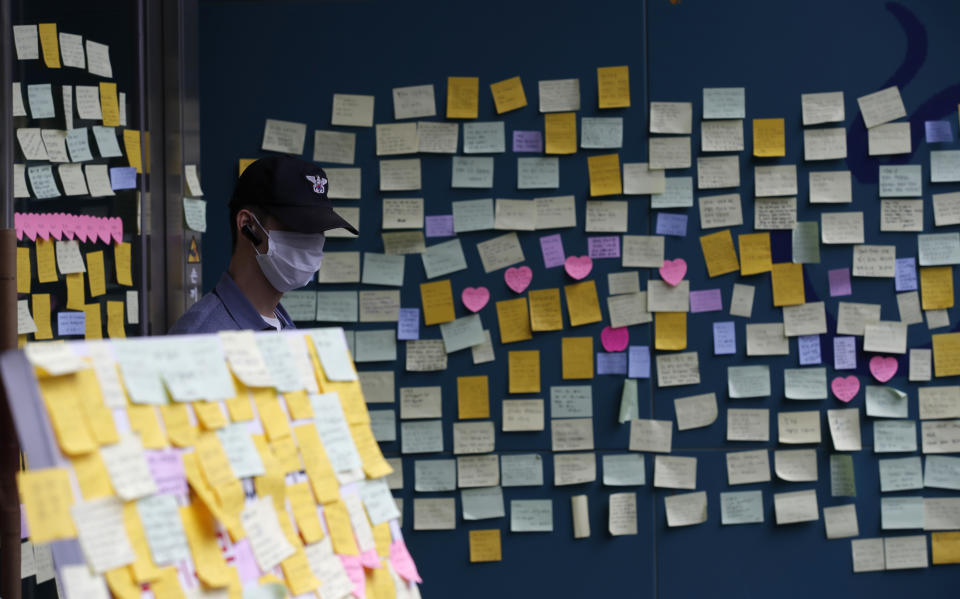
(718, 253)
(724, 338)
(437, 301)
(524, 371)
(94, 322)
(109, 106)
(706, 300)
(613, 87)
(115, 321)
(583, 306)
(604, 171)
(76, 295)
(46, 498)
(545, 312)
(131, 142)
(936, 287)
(577, 357)
(46, 261)
(946, 354)
(787, 281)
(121, 261)
(768, 138)
(513, 320)
(473, 397)
(485, 545)
(528, 141)
(40, 309)
(462, 97)
(24, 272)
(560, 131)
(551, 246)
(945, 547)
(508, 95)
(243, 163)
(49, 44)
(839, 279)
(95, 271)
(671, 330)
(755, 254)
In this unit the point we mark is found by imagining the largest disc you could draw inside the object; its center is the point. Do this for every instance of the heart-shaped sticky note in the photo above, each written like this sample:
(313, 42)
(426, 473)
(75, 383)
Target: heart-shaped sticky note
(845, 387)
(673, 271)
(615, 339)
(475, 298)
(578, 267)
(883, 368)
(518, 278)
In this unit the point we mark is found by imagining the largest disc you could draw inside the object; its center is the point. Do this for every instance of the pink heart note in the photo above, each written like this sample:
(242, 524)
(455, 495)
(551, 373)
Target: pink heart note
(615, 339)
(518, 278)
(578, 267)
(673, 271)
(475, 298)
(845, 387)
(883, 368)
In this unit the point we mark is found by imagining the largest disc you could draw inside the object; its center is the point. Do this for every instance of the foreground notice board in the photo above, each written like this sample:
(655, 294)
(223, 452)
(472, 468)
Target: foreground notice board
(230, 465)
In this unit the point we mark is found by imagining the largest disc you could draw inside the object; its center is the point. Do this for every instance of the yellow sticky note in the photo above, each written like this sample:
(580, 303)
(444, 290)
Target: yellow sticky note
(524, 371)
(380, 583)
(936, 287)
(322, 478)
(463, 97)
(49, 44)
(46, 498)
(768, 138)
(24, 272)
(244, 163)
(341, 531)
(298, 404)
(109, 105)
(787, 281)
(97, 415)
(374, 464)
(92, 476)
(167, 585)
(604, 173)
(40, 310)
(131, 143)
(946, 354)
(382, 537)
(201, 532)
(210, 415)
(718, 253)
(513, 320)
(274, 420)
(437, 301)
(508, 95)
(76, 294)
(121, 262)
(217, 472)
(176, 419)
(144, 421)
(143, 569)
(545, 312)
(577, 357)
(305, 512)
(560, 132)
(473, 397)
(613, 87)
(286, 453)
(46, 261)
(296, 570)
(121, 583)
(583, 306)
(671, 330)
(115, 320)
(755, 256)
(945, 547)
(95, 273)
(485, 545)
(66, 415)
(93, 324)
(239, 407)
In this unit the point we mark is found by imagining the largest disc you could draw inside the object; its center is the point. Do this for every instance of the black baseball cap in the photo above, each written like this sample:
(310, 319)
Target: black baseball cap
(291, 190)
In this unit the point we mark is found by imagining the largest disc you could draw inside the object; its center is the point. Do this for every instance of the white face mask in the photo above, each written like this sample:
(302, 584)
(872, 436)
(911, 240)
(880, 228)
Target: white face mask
(291, 259)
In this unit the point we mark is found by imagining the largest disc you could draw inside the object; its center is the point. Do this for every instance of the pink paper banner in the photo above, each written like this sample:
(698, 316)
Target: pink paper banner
(60, 226)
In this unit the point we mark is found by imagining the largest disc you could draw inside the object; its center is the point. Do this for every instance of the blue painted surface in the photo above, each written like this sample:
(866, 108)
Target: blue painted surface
(285, 60)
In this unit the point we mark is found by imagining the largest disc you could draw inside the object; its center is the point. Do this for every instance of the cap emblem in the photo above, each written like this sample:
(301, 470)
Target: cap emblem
(319, 183)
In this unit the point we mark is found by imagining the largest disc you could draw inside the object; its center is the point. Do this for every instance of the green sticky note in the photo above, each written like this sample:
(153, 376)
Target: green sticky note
(629, 409)
(806, 243)
(842, 483)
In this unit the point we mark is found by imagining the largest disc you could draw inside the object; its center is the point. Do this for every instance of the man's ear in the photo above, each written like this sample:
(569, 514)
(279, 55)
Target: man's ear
(247, 227)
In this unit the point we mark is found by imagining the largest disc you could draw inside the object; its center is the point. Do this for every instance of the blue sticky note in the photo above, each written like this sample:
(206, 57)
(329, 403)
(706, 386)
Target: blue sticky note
(724, 338)
(905, 274)
(844, 353)
(638, 359)
(123, 177)
(809, 346)
(672, 224)
(938, 131)
(611, 363)
(408, 324)
(71, 323)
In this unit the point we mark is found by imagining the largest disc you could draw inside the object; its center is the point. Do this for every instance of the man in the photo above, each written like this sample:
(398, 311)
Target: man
(278, 214)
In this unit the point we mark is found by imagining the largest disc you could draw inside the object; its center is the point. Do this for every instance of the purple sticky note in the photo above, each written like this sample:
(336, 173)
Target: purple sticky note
(672, 224)
(905, 275)
(527, 141)
(71, 323)
(604, 247)
(552, 248)
(809, 346)
(408, 324)
(166, 466)
(24, 531)
(611, 363)
(844, 353)
(706, 300)
(440, 225)
(123, 177)
(240, 555)
(724, 338)
(839, 281)
(638, 358)
(938, 131)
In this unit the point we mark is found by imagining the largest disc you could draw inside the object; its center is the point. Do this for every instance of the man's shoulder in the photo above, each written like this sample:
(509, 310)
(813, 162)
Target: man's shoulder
(208, 315)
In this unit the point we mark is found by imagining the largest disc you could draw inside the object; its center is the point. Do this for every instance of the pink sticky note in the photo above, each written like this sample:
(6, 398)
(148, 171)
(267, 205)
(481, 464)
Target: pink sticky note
(370, 559)
(475, 298)
(552, 248)
(883, 368)
(845, 388)
(673, 271)
(706, 300)
(402, 561)
(18, 225)
(240, 556)
(42, 226)
(615, 339)
(839, 282)
(116, 229)
(166, 466)
(518, 278)
(578, 267)
(103, 229)
(55, 221)
(354, 568)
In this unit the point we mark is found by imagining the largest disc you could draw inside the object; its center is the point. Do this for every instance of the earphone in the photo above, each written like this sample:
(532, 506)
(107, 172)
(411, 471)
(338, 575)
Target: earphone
(249, 233)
